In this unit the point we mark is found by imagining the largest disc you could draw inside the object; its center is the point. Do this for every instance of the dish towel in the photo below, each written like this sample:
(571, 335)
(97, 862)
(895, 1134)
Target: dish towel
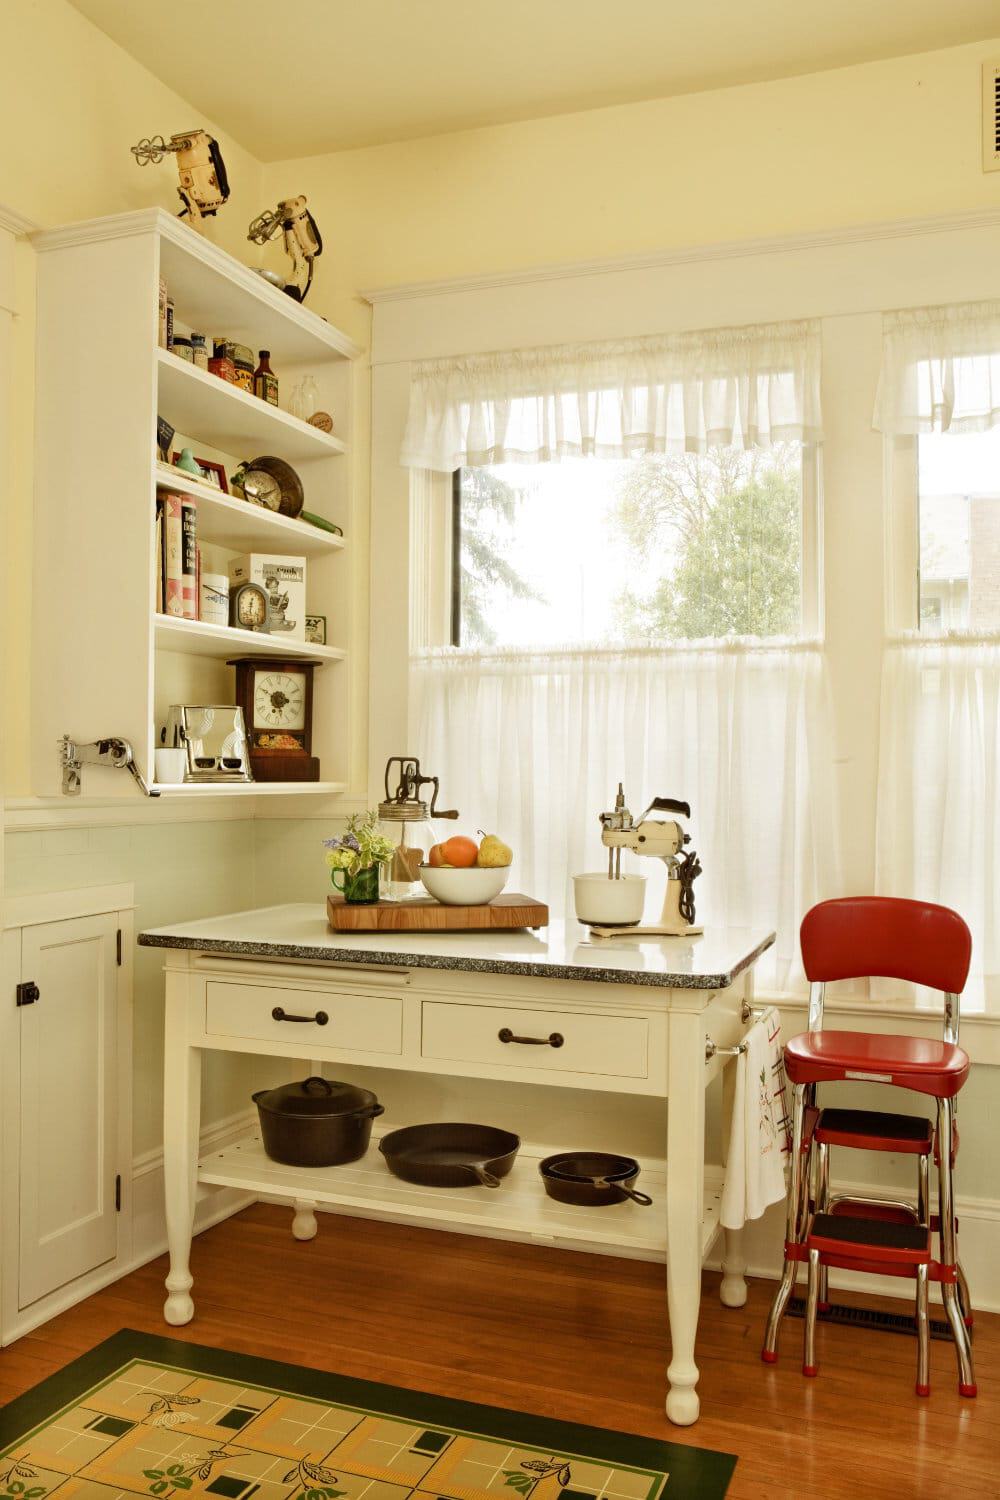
(760, 1139)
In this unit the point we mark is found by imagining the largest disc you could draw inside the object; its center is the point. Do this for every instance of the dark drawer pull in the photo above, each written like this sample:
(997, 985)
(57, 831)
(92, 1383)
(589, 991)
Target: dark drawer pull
(554, 1039)
(320, 1018)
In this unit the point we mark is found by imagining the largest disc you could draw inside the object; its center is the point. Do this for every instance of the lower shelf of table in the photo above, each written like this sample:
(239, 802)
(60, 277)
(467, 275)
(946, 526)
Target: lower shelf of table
(519, 1209)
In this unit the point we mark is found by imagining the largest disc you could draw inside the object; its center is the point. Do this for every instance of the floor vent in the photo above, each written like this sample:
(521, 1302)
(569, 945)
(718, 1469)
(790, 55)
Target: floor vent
(869, 1317)
(991, 117)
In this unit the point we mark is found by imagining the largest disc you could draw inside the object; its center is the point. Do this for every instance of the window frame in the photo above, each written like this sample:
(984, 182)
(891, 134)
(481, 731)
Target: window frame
(810, 557)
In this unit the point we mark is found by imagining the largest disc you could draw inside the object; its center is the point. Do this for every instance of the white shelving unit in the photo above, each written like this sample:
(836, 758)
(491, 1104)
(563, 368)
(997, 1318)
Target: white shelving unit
(105, 662)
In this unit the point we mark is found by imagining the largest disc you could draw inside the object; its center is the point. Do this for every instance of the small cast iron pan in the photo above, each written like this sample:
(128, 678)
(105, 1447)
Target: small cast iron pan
(450, 1155)
(592, 1179)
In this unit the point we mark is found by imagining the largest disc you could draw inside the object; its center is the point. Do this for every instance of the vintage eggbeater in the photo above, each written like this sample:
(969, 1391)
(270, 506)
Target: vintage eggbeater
(404, 819)
(663, 840)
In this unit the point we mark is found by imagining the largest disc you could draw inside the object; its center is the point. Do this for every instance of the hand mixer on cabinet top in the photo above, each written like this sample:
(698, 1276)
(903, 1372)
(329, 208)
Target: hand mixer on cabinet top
(664, 840)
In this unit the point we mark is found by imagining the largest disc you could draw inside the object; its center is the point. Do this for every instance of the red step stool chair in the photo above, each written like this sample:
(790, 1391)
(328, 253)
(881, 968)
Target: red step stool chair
(862, 937)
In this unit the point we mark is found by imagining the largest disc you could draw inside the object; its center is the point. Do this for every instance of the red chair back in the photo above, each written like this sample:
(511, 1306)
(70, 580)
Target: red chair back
(860, 937)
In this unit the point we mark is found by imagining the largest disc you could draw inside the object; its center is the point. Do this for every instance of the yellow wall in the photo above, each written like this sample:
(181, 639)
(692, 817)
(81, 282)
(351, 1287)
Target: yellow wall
(880, 141)
(71, 105)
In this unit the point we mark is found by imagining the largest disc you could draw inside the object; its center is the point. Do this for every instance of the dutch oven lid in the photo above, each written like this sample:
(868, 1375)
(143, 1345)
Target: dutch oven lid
(316, 1096)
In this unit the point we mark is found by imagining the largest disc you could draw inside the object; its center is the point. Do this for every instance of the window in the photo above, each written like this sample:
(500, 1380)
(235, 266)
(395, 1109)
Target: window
(634, 551)
(958, 528)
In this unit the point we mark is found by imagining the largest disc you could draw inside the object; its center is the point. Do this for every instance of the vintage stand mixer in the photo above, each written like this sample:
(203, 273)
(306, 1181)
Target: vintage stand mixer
(664, 840)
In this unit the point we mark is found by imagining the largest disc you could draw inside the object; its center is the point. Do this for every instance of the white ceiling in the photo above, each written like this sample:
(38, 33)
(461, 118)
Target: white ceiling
(324, 75)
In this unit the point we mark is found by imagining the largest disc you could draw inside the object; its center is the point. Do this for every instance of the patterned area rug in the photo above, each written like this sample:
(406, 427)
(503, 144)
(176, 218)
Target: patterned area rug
(141, 1415)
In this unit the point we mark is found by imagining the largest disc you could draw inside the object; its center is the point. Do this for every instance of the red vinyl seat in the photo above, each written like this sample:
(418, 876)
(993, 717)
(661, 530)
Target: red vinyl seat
(909, 1062)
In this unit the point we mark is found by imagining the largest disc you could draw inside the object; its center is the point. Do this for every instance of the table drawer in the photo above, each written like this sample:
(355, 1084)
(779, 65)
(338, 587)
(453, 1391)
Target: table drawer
(615, 1046)
(355, 1023)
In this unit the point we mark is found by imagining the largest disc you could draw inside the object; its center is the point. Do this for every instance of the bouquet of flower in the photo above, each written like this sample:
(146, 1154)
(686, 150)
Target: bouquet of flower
(361, 847)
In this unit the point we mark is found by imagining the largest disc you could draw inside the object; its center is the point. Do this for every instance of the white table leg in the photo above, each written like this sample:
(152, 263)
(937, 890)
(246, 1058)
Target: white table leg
(181, 1134)
(685, 1206)
(733, 1288)
(304, 1220)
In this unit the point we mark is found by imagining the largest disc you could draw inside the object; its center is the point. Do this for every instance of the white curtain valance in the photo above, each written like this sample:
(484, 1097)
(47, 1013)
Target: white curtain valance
(671, 393)
(940, 370)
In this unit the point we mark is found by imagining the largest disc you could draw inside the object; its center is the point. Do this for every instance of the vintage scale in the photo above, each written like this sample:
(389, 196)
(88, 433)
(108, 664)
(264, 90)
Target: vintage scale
(404, 819)
(662, 840)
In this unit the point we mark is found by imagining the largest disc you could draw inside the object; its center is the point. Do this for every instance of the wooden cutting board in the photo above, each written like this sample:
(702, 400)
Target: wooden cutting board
(421, 914)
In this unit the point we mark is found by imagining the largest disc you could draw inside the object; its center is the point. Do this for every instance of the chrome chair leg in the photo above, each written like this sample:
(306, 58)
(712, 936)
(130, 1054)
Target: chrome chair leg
(949, 1255)
(964, 1296)
(822, 1207)
(795, 1216)
(809, 1366)
(923, 1334)
(923, 1190)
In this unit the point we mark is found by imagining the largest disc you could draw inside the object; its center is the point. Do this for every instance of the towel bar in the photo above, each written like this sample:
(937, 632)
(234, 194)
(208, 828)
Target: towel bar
(747, 1014)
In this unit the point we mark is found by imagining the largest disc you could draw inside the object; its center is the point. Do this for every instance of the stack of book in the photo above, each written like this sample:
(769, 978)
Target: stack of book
(178, 557)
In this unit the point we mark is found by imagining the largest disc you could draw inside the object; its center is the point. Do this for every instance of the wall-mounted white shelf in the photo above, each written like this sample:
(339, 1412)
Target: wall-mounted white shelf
(214, 290)
(229, 418)
(196, 638)
(109, 662)
(253, 789)
(228, 521)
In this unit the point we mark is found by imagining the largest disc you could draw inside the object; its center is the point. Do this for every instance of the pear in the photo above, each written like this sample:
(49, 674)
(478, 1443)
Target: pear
(493, 853)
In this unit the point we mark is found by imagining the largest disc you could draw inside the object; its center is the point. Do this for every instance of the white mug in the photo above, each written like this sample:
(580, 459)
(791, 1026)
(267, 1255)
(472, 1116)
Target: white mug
(170, 766)
(601, 902)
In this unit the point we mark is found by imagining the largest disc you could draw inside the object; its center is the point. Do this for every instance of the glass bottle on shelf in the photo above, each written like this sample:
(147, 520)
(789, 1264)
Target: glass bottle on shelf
(265, 382)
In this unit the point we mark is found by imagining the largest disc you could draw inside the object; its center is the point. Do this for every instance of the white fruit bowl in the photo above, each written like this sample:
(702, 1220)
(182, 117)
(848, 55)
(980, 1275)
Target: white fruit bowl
(472, 887)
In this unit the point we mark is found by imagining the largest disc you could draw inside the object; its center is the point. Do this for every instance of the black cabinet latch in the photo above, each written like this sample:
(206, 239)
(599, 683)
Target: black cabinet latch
(28, 993)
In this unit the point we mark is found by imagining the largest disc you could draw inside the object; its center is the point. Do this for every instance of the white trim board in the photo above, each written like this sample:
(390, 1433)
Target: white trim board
(887, 229)
(39, 907)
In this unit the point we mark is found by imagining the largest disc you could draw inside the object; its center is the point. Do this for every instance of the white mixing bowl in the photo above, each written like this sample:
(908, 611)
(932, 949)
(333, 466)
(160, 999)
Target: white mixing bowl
(601, 902)
(472, 887)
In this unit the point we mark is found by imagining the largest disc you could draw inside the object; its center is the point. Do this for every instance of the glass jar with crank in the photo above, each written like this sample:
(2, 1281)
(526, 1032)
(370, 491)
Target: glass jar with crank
(405, 820)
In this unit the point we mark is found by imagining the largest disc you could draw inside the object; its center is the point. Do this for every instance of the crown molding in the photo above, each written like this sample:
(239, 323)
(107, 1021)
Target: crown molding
(858, 234)
(15, 223)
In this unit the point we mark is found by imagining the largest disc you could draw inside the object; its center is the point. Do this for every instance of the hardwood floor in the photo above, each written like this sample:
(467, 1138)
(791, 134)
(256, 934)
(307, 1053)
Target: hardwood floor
(579, 1337)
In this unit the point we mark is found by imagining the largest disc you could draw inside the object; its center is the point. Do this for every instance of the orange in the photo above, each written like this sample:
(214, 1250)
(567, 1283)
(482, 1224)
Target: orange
(458, 851)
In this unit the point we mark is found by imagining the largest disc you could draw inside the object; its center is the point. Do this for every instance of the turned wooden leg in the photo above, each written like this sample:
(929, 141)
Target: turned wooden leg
(304, 1221)
(733, 1287)
(685, 1206)
(181, 1131)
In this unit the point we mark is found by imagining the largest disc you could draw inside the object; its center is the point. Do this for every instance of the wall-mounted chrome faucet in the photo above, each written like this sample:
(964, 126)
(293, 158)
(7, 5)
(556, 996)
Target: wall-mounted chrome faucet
(113, 752)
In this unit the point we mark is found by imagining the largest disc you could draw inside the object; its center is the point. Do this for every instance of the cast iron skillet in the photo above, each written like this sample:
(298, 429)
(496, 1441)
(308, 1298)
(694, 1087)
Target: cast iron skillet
(450, 1155)
(591, 1178)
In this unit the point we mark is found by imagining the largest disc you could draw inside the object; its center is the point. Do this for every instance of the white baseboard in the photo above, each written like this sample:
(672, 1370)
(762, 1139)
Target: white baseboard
(979, 1240)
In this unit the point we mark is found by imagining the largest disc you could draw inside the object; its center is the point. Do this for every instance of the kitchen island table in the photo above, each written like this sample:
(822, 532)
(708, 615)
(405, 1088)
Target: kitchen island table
(624, 1016)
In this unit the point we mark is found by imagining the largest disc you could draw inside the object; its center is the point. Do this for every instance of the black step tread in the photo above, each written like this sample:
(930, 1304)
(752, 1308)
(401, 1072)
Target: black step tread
(877, 1233)
(875, 1122)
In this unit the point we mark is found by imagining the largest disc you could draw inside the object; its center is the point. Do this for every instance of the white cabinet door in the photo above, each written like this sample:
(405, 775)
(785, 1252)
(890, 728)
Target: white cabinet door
(69, 1103)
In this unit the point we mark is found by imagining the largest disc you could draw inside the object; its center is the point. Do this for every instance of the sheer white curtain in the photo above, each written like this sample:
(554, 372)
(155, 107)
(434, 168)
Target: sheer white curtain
(535, 746)
(938, 827)
(939, 784)
(682, 392)
(940, 370)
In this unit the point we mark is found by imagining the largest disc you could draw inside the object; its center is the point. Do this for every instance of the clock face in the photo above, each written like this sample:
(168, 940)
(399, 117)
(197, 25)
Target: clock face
(250, 607)
(279, 700)
(262, 488)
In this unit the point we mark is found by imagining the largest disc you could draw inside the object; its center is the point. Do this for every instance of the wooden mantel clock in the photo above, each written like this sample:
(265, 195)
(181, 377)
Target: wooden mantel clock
(276, 697)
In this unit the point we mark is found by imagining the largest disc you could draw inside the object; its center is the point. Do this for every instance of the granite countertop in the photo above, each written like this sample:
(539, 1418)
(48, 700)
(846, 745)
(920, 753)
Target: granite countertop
(563, 950)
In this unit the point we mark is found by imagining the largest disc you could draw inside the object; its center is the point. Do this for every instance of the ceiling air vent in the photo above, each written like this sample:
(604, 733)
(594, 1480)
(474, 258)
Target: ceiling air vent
(991, 117)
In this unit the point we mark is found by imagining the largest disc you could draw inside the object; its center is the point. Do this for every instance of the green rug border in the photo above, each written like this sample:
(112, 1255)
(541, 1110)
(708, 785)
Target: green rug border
(694, 1472)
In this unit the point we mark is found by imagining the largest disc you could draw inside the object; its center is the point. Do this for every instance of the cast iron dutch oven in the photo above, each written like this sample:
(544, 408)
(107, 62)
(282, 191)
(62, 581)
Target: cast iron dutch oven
(317, 1123)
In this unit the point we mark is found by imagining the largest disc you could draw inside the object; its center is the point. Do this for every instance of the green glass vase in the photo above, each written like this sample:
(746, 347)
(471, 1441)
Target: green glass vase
(360, 889)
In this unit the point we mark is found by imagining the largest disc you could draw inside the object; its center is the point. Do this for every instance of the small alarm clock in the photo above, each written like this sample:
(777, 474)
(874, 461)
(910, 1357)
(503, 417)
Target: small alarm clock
(248, 607)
